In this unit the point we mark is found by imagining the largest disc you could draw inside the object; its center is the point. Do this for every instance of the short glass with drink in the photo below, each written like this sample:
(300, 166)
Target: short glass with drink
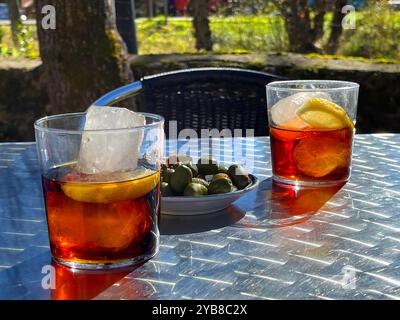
(100, 177)
(312, 125)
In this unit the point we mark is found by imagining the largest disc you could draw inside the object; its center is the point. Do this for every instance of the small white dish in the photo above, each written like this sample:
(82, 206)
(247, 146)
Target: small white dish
(188, 206)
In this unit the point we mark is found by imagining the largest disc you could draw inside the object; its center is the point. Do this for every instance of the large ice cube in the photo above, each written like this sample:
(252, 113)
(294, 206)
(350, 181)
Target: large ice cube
(283, 113)
(107, 150)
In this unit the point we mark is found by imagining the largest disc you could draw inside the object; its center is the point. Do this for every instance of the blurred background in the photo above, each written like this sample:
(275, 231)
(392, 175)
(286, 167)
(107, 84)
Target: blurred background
(46, 71)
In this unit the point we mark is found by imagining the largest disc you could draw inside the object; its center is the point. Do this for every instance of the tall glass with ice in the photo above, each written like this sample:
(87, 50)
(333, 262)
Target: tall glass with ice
(312, 124)
(100, 177)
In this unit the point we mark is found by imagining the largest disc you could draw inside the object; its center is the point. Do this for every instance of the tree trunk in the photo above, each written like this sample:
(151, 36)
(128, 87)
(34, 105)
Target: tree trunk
(319, 18)
(84, 57)
(201, 24)
(298, 25)
(13, 12)
(150, 9)
(336, 28)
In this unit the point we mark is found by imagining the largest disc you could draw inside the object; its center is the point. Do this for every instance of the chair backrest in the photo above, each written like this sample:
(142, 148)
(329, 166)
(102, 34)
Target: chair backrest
(208, 98)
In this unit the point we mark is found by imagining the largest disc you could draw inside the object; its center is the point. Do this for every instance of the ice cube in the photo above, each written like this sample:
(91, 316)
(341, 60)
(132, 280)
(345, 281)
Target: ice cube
(283, 113)
(105, 150)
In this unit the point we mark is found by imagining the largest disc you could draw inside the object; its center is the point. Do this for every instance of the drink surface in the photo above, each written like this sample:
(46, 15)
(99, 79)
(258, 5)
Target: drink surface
(102, 218)
(311, 155)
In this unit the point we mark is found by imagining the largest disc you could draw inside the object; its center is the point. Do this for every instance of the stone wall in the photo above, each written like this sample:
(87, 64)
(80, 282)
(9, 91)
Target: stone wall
(23, 99)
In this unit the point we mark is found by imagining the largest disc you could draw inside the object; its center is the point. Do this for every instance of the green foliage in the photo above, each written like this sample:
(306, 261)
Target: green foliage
(238, 34)
(249, 33)
(377, 34)
(156, 37)
(27, 42)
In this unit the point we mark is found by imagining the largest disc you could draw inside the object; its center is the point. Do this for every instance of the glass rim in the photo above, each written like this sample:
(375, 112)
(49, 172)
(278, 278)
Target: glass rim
(285, 85)
(38, 124)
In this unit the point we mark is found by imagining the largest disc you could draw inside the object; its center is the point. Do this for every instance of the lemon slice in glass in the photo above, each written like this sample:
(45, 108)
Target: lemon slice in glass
(283, 113)
(320, 113)
(110, 192)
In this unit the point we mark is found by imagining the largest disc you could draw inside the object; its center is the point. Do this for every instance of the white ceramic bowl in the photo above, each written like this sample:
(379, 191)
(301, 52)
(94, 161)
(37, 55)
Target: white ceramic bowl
(185, 206)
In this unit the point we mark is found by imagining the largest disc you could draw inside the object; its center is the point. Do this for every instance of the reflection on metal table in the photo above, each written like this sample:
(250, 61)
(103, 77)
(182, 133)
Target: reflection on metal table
(344, 245)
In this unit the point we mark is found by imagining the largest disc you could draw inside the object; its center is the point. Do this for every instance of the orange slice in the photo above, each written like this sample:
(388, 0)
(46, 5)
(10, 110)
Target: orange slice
(324, 114)
(110, 192)
(320, 156)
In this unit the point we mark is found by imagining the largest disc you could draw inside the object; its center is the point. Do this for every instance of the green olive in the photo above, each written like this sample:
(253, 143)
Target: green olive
(220, 176)
(239, 176)
(222, 169)
(195, 190)
(180, 179)
(200, 181)
(166, 175)
(220, 186)
(166, 190)
(207, 166)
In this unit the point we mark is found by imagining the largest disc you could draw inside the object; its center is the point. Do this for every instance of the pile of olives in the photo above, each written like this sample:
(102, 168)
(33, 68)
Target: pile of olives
(181, 177)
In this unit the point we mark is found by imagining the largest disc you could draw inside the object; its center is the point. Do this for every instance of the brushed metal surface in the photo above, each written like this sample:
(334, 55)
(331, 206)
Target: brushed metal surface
(345, 246)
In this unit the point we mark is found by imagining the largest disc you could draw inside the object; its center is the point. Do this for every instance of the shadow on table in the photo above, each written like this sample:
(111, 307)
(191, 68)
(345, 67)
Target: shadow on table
(272, 205)
(173, 225)
(278, 205)
(41, 279)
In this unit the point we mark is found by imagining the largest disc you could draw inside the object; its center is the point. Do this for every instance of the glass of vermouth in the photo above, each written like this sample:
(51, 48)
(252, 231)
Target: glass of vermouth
(101, 186)
(312, 125)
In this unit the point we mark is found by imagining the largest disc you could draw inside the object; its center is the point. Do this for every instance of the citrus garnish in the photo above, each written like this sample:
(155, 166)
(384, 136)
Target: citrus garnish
(320, 113)
(109, 192)
(319, 156)
(283, 113)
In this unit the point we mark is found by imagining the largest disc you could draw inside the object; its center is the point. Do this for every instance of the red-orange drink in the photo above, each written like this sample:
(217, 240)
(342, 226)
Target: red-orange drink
(311, 140)
(72, 284)
(102, 219)
(311, 155)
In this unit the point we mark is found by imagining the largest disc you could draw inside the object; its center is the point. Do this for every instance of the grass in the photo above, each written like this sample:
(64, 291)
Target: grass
(376, 37)
(156, 37)
(239, 34)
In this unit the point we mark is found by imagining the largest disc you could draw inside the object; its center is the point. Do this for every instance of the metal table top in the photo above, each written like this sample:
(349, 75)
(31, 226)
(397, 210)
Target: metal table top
(345, 244)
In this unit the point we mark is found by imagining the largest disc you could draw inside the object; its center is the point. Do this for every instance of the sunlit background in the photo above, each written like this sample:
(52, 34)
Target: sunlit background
(354, 40)
(237, 26)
